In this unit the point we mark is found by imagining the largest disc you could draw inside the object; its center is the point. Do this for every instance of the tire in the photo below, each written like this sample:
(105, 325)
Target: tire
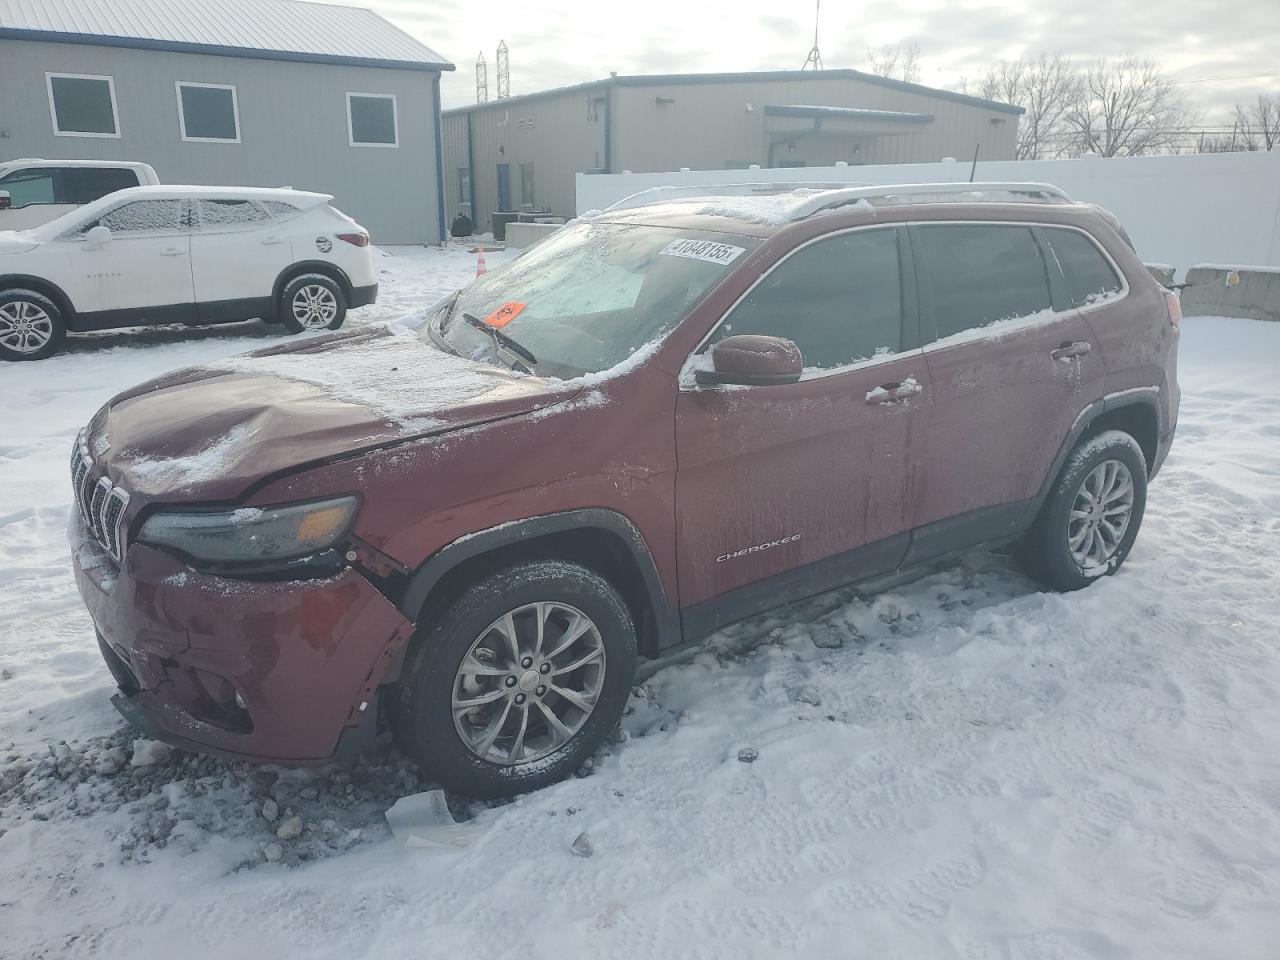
(1090, 494)
(31, 325)
(446, 740)
(311, 301)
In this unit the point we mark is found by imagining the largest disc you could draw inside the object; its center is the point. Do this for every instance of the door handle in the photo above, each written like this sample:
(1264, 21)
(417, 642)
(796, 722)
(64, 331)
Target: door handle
(270, 240)
(892, 392)
(1071, 350)
(173, 252)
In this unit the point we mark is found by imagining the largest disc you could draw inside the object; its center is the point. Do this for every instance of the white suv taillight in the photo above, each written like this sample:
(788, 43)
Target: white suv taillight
(1175, 307)
(355, 239)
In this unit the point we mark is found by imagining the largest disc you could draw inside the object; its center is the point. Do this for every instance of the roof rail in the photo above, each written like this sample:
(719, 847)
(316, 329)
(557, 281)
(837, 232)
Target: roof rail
(810, 197)
(694, 191)
(978, 192)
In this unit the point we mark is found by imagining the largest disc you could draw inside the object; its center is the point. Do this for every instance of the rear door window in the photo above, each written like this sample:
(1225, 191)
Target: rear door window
(86, 184)
(229, 214)
(1087, 271)
(980, 274)
(839, 300)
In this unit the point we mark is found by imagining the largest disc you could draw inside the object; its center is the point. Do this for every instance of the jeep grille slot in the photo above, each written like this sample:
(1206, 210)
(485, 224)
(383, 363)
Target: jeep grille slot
(101, 505)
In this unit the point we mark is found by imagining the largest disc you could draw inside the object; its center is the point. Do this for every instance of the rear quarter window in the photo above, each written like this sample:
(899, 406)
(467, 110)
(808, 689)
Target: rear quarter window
(1086, 269)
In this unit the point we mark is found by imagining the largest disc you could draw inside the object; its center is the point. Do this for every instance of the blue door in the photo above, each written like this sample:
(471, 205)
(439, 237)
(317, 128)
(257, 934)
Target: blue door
(504, 186)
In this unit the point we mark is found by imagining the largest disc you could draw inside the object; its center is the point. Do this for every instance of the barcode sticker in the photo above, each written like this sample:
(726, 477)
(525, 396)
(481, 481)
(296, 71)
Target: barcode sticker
(707, 250)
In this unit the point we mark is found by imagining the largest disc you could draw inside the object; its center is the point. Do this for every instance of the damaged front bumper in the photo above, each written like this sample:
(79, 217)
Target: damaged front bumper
(280, 672)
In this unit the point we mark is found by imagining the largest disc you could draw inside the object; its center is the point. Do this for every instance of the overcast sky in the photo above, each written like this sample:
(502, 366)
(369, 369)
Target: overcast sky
(569, 41)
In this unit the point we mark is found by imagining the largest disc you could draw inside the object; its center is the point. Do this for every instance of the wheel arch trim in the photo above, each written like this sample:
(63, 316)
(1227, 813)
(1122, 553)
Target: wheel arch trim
(331, 270)
(1146, 398)
(430, 573)
(19, 281)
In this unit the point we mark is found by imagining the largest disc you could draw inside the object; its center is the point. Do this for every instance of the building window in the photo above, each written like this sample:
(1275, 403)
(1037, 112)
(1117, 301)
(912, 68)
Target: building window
(208, 112)
(82, 105)
(372, 120)
(526, 184)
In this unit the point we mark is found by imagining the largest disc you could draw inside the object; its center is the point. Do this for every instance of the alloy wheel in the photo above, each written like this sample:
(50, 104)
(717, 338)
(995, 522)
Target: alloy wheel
(528, 683)
(314, 306)
(1100, 515)
(24, 326)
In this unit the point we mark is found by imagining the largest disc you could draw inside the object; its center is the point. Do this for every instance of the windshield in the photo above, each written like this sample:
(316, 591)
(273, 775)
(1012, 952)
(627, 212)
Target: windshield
(587, 297)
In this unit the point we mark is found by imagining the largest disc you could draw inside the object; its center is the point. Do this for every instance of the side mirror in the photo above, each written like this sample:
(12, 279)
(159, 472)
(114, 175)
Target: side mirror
(98, 235)
(5, 200)
(753, 360)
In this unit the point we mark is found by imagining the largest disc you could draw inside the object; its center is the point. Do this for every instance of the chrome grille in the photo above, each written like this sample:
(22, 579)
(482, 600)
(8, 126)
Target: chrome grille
(101, 505)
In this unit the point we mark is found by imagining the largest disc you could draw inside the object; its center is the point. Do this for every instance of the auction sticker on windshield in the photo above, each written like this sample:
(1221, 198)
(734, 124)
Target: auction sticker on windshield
(504, 314)
(708, 250)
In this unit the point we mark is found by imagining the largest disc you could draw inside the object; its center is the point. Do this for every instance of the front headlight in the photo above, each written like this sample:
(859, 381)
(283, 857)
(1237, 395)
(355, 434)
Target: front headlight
(252, 534)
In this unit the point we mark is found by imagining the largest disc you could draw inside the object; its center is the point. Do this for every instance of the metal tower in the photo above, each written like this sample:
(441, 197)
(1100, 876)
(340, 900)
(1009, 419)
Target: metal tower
(815, 58)
(504, 71)
(482, 79)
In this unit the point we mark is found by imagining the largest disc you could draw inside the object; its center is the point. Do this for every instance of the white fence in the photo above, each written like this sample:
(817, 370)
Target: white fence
(1220, 208)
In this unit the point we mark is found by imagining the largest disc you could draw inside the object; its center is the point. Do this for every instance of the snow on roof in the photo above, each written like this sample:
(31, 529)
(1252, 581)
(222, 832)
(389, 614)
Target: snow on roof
(271, 29)
(166, 191)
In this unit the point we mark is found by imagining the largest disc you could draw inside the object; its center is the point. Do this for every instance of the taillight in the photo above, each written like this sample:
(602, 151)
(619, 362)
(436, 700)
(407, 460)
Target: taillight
(355, 239)
(1175, 307)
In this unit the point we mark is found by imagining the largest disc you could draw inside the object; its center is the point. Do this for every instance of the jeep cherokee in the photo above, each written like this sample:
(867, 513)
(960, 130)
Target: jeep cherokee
(656, 422)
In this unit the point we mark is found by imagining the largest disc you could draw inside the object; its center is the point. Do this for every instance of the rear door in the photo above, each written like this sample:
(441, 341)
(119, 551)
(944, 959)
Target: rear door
(787, 490)
(1012, 363)
(144, 269)
(237, 252)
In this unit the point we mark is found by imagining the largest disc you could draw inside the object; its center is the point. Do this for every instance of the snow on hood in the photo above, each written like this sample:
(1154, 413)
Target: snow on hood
(207, 433)
(14, 241)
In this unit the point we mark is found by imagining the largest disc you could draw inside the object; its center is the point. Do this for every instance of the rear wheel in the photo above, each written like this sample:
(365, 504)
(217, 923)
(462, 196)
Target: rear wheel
(31, 325)
(518, 680)
(1090, 521)
(312, 301)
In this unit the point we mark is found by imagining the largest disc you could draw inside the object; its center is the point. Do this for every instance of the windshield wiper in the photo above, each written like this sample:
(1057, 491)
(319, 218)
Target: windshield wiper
(501, 338)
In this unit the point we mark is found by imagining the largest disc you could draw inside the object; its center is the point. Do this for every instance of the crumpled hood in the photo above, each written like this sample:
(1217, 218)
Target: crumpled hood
(207, 433)
(13, 241)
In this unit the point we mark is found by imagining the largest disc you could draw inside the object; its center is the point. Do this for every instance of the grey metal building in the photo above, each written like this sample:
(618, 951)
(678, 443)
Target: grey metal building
(245, 92)
(523, 152)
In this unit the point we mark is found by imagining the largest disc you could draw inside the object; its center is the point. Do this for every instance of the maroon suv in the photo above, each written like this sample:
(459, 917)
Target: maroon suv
(654, 423)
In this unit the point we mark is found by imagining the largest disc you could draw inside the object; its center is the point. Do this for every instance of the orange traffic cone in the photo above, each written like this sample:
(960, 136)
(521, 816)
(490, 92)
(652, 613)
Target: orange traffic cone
(481, 267)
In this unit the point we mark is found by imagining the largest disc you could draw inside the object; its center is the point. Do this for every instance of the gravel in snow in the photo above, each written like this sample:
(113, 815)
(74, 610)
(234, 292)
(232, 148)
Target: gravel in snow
(960, 767)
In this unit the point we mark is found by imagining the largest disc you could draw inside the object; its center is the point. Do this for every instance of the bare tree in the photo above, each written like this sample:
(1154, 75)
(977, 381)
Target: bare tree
(1126, 108)
(1258, 124)
(899, 62)
(1044, 86)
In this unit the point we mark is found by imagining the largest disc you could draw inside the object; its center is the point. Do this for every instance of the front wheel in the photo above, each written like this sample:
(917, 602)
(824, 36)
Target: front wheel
(31, 325)
(312, 301)
(1087, 526)
(518, 680)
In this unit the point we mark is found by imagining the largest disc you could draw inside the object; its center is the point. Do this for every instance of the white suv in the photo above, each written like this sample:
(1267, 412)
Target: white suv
(166, 254)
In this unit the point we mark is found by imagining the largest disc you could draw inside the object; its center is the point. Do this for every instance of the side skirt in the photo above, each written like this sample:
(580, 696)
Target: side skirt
(875, 566)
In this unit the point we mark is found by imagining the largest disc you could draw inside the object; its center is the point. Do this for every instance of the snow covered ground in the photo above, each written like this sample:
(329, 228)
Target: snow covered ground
(963, 767)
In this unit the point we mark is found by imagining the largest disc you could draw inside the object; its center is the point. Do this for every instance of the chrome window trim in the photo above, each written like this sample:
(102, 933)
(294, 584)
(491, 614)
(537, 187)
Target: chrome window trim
(687, 384)
(959, 340)
(1106, 254)
(686, 380)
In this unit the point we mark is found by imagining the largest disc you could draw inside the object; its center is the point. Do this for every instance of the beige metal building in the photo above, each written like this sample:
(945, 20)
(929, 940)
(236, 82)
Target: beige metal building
(522, 153)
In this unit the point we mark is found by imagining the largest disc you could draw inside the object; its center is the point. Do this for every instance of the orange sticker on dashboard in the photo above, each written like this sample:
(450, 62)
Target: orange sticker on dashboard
(504, 314)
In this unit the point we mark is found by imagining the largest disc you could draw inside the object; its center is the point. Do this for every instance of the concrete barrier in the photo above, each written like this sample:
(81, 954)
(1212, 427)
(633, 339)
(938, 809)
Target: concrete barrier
(1214, 290)
(524, 234)
(1163, 273)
